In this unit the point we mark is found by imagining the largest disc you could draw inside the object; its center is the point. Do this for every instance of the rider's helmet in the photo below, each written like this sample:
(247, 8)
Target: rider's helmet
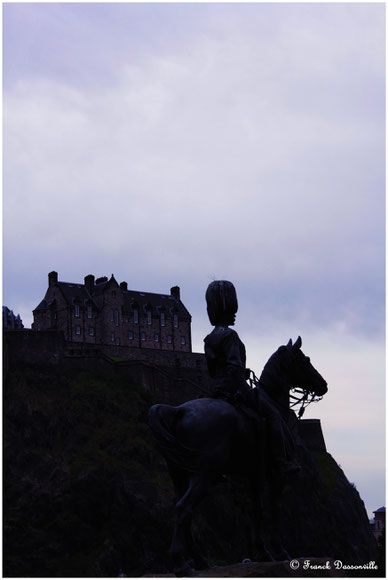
(221, 301)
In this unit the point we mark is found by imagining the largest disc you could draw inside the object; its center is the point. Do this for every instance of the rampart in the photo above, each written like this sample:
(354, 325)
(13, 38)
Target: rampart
(171, 377)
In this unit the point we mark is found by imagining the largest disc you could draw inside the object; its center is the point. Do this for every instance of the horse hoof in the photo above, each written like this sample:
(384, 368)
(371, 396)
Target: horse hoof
(264, 556)
(184, 572)
(201, 565)
(282, 556)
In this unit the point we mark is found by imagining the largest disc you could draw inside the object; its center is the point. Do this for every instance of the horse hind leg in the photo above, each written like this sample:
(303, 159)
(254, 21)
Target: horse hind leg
(181, 480)
(181, 544)
(193, 550)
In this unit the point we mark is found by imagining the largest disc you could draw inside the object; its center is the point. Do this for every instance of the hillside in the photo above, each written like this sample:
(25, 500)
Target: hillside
(87, 494)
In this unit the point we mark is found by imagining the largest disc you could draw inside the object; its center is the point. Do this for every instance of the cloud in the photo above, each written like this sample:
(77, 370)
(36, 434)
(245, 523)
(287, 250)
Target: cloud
(232, 151)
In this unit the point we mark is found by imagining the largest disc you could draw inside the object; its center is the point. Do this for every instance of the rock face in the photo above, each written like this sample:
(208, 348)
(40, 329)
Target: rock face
(86, 493)
(323, 513)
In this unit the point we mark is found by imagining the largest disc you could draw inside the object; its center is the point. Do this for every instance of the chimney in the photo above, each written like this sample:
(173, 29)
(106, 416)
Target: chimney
(89, 283)
(52, 278)
(123, 285)
(175, 292)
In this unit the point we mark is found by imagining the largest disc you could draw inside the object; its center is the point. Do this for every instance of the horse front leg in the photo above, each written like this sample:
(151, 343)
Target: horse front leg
(275, 495)
(261, 550)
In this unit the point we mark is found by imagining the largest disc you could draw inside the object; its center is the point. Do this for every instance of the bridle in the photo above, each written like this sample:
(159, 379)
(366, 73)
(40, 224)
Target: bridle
(301, 397)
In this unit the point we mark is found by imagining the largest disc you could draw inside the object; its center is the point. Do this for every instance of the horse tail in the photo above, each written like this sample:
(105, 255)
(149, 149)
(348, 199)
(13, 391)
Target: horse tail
(162, 420)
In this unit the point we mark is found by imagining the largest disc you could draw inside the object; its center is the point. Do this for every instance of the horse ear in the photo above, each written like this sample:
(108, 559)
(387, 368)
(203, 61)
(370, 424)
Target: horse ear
(289, 343)
(298, 343)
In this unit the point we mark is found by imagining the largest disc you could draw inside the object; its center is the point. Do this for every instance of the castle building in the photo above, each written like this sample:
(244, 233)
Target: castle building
(378, 522)
(10, 320)
(103, 312)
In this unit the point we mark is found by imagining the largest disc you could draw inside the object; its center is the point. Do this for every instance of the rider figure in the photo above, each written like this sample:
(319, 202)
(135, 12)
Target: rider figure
(226, 358)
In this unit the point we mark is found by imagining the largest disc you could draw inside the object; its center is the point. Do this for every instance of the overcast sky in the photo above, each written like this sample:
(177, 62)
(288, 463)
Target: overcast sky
(180, 143)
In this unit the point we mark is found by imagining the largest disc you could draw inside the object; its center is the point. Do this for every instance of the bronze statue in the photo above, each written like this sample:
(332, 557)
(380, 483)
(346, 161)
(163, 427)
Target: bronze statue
(206, 438)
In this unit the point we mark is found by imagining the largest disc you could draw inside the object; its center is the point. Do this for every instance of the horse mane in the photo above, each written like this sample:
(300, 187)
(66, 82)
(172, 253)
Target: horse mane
(273, 378)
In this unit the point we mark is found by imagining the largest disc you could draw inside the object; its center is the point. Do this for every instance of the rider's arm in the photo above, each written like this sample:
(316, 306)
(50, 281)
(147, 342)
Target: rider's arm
(235, 361)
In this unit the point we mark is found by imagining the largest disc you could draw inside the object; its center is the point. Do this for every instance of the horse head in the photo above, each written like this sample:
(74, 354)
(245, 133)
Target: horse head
(289, 369)
(302, 374)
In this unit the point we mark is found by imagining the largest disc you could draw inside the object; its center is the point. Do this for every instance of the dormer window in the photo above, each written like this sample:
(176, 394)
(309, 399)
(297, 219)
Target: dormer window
(76, 310)
(113, 293)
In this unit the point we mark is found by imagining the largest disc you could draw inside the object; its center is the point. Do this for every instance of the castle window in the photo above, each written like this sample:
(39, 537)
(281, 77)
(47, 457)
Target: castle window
(116, 317)
(130, 335)
(135, 316)
(169, 339)
(113, 294)
(149, 317)
(117, 340)
(142, 336)
(113, 337)
(156, 337)
(176, 322)
(91, 330)
(90, 312)
(111, 315)
(78, 329)
(183, 340)
(162, 319)
(76, 311)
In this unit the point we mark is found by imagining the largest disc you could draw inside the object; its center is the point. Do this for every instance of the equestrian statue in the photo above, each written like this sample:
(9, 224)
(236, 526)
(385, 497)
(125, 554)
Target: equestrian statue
(242, 430)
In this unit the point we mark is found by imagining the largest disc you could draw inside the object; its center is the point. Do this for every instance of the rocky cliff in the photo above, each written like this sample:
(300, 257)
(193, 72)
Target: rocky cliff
(87, 494)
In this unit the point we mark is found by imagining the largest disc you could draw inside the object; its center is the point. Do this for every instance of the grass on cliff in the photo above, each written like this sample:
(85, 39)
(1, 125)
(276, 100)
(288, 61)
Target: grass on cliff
(85, 491)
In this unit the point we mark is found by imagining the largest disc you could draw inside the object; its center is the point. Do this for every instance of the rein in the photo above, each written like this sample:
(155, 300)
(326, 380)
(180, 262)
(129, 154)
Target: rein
(301, 396)
(306, 398)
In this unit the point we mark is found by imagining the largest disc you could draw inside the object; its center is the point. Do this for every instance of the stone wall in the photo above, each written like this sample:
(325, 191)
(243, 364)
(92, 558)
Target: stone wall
(170, 377)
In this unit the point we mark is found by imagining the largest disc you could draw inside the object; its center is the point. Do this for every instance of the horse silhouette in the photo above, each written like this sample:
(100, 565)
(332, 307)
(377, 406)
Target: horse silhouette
(206, 439)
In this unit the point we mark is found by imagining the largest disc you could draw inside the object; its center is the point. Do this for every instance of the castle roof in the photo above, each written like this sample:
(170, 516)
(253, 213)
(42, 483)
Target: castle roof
(74, 292)
(93, 291)
(156, 302)
(380, 510)
(42, 305)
